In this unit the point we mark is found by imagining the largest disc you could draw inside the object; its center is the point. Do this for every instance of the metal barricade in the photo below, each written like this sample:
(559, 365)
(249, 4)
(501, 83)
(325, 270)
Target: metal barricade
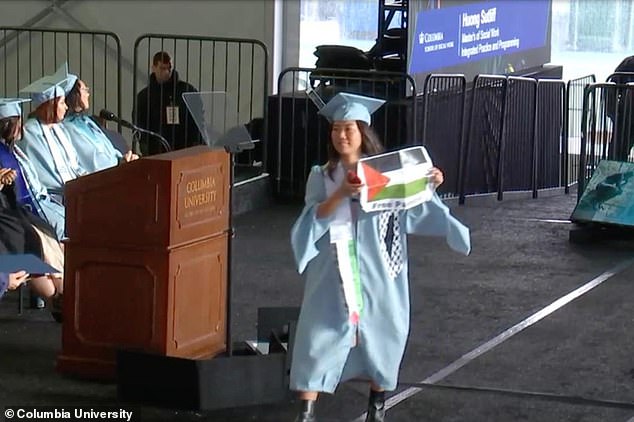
(236, 66)
(551, 151)
(607, 127)
(30, 53)
(300, 136)
(619, 110)
(572, 138)
(442, 117)
(482, 155)
(518, 153)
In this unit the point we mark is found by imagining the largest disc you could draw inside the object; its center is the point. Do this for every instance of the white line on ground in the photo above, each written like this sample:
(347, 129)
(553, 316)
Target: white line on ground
(485, 347)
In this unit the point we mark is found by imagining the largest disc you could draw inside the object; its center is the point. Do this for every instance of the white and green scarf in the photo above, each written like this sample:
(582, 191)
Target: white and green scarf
(343, 237)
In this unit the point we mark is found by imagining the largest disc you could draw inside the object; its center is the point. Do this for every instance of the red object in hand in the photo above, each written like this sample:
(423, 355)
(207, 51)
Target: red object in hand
(353, 178)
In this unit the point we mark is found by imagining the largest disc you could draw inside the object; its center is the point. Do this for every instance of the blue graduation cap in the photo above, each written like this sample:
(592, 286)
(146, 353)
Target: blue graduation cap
(10, 107)
(345, 106)
(50, 86)
(70, 78)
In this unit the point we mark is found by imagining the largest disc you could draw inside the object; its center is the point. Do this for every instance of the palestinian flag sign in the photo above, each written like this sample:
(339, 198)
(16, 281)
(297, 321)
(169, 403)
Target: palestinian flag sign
(395, 180)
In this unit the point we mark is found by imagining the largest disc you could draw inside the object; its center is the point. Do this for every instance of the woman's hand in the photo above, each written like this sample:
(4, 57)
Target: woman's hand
(17, 278)
(436, 176)
(351, 184)
(7, 176)
(130, 156)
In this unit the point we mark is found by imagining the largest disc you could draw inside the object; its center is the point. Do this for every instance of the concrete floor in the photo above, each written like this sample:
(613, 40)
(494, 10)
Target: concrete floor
(529, 327)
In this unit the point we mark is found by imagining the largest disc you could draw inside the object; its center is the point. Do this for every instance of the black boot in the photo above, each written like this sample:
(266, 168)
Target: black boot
(306, 412)
(376, 407)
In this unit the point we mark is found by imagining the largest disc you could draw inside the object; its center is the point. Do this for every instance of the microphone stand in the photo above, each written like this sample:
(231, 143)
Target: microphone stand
(232, 150)
(161, 139)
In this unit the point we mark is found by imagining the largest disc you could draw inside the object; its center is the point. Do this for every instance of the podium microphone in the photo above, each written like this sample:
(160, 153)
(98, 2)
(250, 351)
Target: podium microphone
(110, 116)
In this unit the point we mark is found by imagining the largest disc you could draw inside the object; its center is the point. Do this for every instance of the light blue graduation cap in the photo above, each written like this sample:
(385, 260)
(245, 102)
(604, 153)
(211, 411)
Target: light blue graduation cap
(344, 106)
(50, 86)
(70, 78)
(10, 107)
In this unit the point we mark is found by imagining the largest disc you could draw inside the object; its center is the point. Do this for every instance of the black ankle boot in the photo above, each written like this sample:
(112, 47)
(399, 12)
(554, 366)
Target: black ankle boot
(306, 412)
(376, 407)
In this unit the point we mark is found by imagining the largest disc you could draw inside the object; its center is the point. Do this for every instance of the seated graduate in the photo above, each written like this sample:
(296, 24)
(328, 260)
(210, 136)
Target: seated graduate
(45, 141)
(29, 192)
(95, 151)
(22, 232)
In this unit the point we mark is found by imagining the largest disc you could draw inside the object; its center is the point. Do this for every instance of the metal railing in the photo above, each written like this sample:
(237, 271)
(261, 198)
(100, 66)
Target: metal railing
(496, 135)
(442, 128)
(515, 136)
(298, 135)
(572, 139)
(607, 127)
(518, 143)
(482, 156)
(551, 146)
(30, 53)
(236, 66)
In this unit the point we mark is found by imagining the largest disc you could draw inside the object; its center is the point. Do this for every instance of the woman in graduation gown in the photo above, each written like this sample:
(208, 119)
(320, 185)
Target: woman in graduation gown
(45, 140)
(23, 225)
(354, 319)
(95, 152)
(29, 191)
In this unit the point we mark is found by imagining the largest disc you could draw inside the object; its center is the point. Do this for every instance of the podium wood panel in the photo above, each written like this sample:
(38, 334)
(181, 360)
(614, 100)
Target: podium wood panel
(162, 200)
(146, 261)
(170, 302)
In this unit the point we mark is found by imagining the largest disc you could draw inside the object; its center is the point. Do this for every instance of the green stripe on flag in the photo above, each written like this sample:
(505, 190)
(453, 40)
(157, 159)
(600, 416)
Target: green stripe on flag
(356, 278)
(402, 190)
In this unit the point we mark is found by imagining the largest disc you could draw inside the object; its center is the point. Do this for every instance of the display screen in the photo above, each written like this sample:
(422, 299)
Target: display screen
(496, 37)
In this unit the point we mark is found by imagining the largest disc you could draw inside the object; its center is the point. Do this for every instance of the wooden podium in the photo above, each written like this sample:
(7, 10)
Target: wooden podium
(146, 261)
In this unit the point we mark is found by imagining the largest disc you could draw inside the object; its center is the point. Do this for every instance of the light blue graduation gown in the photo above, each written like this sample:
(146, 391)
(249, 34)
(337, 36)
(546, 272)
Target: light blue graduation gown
(37, 148)
(45, 206)
(49, 209)
(324, 353)
(95, 152)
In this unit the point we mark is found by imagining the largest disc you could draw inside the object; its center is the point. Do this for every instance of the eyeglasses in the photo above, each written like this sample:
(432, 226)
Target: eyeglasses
(85, 89)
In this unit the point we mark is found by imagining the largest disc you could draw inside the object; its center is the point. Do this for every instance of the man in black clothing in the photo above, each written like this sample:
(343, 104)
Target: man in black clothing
(160, 108)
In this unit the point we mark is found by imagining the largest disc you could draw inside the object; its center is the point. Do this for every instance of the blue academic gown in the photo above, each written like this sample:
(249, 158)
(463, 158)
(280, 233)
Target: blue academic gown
(94, 150)
(323, 353)
(31, 192)
(40, 153)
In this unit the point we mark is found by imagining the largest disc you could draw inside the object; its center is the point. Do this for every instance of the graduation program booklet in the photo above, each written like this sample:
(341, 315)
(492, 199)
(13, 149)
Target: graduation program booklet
(395, 180)
(26, 262)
